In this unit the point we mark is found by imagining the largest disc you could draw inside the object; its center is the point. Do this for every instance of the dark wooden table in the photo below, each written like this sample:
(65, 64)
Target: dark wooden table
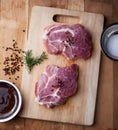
(106, 115)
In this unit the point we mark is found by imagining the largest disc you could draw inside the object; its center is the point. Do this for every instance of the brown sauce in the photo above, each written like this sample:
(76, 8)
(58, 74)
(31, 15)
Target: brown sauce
(7, 97)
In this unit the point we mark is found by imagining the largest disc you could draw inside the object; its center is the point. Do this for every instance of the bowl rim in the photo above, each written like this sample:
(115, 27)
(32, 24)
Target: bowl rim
(103, 50)
(19, 104)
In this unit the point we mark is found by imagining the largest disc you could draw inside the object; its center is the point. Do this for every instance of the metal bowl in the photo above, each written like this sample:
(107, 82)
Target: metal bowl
(17, 105)
(107, 33)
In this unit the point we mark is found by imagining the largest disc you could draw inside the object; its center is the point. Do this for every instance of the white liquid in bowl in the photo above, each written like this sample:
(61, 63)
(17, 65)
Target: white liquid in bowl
(112, 45)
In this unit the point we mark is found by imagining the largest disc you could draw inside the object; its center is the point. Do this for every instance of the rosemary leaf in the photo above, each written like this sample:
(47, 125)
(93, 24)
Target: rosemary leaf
(32, 61)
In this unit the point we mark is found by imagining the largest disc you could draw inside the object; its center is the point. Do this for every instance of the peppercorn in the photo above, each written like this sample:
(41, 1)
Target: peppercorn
(13, 62)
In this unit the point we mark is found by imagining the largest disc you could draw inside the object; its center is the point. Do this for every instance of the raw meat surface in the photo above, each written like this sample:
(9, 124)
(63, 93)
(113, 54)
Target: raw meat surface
(56, 85)
(72, 41)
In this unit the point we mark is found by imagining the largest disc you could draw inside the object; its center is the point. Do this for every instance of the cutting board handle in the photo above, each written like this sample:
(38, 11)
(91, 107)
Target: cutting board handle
(62, 18)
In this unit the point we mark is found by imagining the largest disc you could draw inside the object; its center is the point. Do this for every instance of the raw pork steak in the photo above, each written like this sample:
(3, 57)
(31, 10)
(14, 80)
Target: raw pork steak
(72, 41)
(56, 85)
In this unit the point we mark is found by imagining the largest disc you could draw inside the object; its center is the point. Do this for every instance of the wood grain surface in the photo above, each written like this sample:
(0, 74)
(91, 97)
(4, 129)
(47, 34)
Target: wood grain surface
(106, 117)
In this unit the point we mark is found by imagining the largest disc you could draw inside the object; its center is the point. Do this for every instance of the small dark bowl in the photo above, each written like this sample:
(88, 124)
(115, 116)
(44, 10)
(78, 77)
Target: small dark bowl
(18, 102)
(106, 34)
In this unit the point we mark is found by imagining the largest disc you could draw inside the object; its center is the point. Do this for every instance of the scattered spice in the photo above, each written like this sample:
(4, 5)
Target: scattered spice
(13, 62)
(14, 83)
(30, 61)
(60, 83)
(69, 41)
(69, 38)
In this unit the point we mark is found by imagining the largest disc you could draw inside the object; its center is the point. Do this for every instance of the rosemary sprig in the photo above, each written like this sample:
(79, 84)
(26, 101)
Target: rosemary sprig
(31, 61)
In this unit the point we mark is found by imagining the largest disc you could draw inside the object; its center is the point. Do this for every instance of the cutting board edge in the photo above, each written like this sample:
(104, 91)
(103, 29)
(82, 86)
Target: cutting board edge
(77, 11)
(66, 122)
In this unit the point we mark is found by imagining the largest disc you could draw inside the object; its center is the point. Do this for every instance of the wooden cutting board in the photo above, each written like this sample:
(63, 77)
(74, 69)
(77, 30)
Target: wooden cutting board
(80, 108)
